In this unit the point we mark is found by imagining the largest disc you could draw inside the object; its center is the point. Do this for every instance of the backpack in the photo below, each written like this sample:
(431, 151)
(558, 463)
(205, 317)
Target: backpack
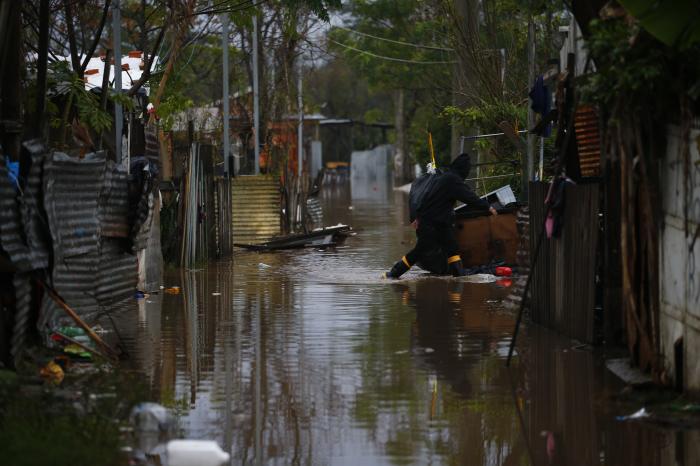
(420, 188)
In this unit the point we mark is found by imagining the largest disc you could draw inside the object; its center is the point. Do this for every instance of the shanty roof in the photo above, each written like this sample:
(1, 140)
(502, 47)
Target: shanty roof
(132, 69)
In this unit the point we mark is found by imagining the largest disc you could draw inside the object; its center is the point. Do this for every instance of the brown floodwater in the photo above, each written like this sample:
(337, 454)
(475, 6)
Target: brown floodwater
(308, 357)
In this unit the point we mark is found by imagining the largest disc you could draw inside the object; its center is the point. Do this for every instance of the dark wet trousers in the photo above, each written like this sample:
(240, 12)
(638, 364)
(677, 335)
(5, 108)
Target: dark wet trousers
(430, 238)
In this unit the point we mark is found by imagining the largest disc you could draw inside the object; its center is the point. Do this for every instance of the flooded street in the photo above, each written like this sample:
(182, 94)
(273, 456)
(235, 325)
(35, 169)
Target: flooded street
(308, 357)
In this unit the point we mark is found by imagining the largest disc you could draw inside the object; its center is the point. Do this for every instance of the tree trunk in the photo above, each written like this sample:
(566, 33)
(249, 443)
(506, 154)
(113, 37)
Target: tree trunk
(465, 76)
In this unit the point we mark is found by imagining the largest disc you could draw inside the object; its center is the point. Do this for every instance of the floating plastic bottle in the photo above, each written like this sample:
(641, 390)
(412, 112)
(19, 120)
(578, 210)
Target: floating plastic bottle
(195, 453)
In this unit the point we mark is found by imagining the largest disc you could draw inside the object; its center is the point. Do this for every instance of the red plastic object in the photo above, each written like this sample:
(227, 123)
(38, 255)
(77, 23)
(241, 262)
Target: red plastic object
(505, 282)
(504, 271)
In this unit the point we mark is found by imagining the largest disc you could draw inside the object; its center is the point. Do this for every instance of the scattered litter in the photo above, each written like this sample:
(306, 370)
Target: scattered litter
(162, 287)
(72, 332)
(151, 417)
(52, 373)
(320, 237)
(627, 373)
(480, 278)
(503, 271)
(641, 414)
(173, 290)
(264, 266)
(77, 351)
(98, 329)
(149, 301)
(582, 347)
(216, 293)
(195, 453)
(693, 408)
(350, 207)
(429, 350)
(102, 396)
(401, 352)
(504, 282)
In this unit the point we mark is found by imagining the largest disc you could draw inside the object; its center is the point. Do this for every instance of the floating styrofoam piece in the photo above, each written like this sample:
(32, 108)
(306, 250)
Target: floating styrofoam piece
(195, 453)
(480, 278)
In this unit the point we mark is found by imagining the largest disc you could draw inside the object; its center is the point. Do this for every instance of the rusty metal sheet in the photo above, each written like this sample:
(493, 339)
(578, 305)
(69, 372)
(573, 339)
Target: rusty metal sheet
(588, 141)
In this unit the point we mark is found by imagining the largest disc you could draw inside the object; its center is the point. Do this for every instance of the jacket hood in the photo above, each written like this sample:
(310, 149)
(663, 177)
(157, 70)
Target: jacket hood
(462, 165)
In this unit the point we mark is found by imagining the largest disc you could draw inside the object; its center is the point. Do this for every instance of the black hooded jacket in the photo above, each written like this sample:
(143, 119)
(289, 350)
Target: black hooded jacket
(438, 206)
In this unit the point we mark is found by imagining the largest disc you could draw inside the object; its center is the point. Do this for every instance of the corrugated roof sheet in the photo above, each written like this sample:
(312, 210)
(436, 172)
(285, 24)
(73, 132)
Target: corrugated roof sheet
(96, 66)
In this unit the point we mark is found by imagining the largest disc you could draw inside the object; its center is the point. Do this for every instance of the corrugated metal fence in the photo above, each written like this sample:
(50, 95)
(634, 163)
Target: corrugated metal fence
(256, 209)
(563, 281)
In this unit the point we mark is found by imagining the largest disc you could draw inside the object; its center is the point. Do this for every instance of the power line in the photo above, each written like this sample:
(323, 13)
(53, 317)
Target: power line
(399, 42)
(400, 60)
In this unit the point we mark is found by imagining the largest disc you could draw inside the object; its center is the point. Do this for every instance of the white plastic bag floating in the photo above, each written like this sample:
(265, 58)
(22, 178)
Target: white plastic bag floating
(195, 453)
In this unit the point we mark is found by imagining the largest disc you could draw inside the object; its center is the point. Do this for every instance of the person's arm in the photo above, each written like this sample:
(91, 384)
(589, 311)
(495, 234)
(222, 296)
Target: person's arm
(464, 194)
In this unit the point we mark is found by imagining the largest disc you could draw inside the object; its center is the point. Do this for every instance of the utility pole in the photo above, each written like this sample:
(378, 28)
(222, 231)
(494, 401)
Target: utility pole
(256, 96)
(300, 130)
(225, 102)
(530, 114)
(117, 38)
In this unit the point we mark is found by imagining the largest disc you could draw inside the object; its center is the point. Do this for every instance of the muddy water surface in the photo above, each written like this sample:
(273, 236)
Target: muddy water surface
(307, 357)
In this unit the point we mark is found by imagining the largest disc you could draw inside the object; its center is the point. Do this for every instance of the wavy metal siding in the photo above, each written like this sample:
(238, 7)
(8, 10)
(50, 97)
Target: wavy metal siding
(256, 208)
(23, 312)
(114, 203)
(85, 199)
(11, 234)
(72, 189)
(36, 227)
(117, 273)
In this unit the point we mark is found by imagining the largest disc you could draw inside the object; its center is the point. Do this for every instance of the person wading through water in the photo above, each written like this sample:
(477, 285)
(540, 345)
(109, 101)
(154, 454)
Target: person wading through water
(435, 218)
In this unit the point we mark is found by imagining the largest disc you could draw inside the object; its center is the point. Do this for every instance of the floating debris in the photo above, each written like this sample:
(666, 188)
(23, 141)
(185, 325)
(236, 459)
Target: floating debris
(52, 373)
(641, 414)
(321, 237)
(195, 453)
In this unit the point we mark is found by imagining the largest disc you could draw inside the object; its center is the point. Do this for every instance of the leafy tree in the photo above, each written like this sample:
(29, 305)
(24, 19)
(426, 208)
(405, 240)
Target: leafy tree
(399, 47)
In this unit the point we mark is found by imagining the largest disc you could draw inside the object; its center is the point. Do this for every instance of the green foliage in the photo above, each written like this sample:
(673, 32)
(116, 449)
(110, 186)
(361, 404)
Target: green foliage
(65, 85)
(170, 106)
(488, 115)
(628, 65)
(47, 427)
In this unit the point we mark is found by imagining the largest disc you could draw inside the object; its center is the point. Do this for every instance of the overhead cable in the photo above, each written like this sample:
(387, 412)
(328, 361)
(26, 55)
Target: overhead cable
(400, 60)
(399, 42)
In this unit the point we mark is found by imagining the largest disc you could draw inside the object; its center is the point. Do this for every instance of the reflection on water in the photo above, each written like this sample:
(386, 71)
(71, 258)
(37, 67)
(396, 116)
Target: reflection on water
(307, 357)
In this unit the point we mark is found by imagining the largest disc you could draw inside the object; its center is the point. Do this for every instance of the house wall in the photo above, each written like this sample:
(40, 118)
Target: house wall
(679, 258)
